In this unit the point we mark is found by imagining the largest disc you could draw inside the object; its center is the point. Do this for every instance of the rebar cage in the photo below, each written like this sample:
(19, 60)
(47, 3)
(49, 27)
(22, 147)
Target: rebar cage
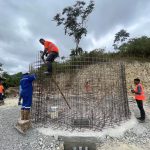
(83, 92)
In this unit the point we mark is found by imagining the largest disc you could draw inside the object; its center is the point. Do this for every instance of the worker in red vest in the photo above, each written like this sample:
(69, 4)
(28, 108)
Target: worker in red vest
(139, 97)
(1, 91)
(52, 51)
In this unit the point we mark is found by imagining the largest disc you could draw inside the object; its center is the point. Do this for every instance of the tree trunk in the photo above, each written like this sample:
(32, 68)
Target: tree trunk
(77, 46)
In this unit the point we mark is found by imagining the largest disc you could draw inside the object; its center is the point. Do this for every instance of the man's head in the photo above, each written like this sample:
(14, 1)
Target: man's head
(42, 41)
(26, 73)
(136, 81)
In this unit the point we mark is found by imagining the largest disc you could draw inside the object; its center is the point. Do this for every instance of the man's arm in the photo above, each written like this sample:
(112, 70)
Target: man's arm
(32, 77)
(139, 90)
(44, 53)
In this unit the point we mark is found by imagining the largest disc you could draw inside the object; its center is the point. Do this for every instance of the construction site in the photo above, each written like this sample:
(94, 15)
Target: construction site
(81, 93)
(75, 75)
(86, 104)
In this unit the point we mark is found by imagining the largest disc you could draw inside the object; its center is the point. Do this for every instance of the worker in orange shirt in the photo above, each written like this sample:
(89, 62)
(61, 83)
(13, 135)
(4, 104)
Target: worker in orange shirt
(1, 91)
(51, 51)
(139, 97)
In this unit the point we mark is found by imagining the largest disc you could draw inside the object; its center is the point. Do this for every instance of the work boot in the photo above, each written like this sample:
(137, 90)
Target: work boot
(26, 114)
(22, 114)
(141, 119)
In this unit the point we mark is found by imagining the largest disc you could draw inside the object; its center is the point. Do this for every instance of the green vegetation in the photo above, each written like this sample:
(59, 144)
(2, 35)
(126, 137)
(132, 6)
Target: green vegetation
(120, 37)
(1, 67)
(1, 71)
(133, 47)
(138, 47)
(11, 80)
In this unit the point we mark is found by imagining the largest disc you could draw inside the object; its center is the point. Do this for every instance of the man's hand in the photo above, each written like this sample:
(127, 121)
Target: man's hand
(42, 57)
(132, 91)
(46, 54)
(42, 54)
(19, 103)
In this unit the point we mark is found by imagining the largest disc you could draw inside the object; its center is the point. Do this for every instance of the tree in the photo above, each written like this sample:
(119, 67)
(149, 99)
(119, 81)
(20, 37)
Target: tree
(0, 67)
(139, 47)
(1, 70)
(11, 80)
(120, 37)
(74, 19)
(76, 52)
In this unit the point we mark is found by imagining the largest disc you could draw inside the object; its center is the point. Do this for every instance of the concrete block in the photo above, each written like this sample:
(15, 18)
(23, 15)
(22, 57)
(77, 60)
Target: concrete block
(23, 125)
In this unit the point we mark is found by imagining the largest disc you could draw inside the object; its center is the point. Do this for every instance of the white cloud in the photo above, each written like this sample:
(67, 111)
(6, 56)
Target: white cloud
(104, 42)
(22, 29)
(140, 27)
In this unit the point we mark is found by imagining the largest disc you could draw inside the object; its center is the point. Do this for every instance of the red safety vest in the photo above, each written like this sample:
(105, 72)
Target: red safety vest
(139, 96)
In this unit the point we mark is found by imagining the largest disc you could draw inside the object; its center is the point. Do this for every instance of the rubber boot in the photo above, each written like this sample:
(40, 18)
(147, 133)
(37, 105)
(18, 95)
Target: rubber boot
(26, 114)
(22, 114)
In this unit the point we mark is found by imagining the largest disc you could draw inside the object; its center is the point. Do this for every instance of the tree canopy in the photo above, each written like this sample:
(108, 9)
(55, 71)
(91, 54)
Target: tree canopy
(136, 47)
(133, 47)
(120, 37)
(11, 80)
(74, 19)
(1, 69)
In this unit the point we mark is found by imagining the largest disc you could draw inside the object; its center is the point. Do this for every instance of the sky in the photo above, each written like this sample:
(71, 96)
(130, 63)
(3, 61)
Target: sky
(24, 22)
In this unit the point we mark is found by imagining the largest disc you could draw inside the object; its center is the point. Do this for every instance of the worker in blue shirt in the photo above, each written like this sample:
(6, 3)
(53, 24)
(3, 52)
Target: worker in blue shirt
(26, 94)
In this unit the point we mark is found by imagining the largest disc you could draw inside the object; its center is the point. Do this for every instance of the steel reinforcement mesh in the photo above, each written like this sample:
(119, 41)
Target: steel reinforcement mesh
(83, 92)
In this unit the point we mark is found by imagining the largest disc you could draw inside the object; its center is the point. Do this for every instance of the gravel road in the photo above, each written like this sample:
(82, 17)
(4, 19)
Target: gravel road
(10, 139)
(136, 138)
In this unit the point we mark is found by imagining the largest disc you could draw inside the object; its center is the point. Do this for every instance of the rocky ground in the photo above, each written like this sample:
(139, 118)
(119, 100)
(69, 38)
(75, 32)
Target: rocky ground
(136, 137)
(10, 139)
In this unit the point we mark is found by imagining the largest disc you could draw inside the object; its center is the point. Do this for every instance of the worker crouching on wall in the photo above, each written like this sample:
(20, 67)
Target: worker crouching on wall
(52, 51)
(139, 97)
(26, 94)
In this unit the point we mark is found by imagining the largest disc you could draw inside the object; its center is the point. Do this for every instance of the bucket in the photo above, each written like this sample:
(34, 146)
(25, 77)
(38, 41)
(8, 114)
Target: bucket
(53, 112)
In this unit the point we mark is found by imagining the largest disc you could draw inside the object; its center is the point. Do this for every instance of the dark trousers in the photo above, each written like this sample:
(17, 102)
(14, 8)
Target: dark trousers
(1, 97)
(50, 58)
(20, 97)
(140, 106)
